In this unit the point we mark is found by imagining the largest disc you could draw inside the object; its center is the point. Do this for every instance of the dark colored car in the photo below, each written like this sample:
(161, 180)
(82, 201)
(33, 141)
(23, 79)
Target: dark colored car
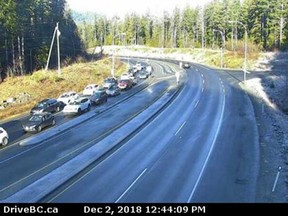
(113, 91)
(48, 105)
(39, 121)
(186, 65)
(99, 97)
(125, 84)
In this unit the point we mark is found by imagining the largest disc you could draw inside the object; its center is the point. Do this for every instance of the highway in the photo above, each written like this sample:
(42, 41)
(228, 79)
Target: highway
(201, 147)
(33, 161)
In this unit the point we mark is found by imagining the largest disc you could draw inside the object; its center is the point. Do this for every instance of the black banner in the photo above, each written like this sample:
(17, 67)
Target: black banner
(138, 209)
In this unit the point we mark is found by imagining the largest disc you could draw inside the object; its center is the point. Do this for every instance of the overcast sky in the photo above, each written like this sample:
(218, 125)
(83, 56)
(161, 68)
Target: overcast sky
(121, 7)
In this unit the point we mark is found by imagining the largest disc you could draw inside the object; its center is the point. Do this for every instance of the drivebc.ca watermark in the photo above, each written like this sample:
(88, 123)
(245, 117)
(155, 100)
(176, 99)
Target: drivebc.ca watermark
(29, 209)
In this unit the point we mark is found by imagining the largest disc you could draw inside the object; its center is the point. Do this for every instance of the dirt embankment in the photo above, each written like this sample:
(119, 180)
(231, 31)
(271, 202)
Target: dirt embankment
(269, 91)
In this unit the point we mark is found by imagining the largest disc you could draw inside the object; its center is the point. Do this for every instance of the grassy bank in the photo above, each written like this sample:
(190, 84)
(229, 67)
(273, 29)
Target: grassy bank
(47, 84)
(210, 57)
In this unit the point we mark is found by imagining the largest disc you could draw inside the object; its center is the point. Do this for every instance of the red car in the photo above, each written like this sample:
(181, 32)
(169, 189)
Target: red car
(125, 84)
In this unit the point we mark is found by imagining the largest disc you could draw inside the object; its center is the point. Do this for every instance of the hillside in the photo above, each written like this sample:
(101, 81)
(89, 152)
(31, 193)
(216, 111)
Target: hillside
(47, 84)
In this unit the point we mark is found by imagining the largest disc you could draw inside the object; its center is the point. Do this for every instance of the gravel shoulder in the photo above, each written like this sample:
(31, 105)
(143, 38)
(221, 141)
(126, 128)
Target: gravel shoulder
(268, 91)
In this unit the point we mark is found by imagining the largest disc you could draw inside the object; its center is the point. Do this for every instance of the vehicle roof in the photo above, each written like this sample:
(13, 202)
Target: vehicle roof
(91, 85)
(69, 92)
(41, 114)
(80, 98)
(47, 99)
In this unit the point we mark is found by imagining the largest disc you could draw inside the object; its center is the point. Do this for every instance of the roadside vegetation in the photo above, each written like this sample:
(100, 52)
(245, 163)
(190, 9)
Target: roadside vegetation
(47, 84)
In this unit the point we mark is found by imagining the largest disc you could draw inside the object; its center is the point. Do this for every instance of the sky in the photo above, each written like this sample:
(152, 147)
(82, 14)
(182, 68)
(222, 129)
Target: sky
(122, 7)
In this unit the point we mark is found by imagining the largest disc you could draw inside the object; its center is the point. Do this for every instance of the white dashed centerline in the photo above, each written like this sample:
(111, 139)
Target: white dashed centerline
(180, 128)
(196, 104)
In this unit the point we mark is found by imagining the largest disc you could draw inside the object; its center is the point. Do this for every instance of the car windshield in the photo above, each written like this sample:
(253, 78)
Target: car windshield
(64, 96)
(35, 118)
(74, 103)
(89, 87)
(41, 105)
(108, 80)
(112, 87)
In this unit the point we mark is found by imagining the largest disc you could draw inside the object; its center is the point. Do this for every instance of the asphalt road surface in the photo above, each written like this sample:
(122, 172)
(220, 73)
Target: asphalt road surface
(202, 148)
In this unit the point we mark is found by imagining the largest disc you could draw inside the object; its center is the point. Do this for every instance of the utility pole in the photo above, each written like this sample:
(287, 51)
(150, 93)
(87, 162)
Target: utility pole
(58, 49)
(203, 29)
(281, 24)
(56, 33)
(246, 47)
(223, 45)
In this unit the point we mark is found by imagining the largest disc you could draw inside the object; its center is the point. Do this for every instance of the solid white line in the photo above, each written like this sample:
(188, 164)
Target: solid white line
(14, 156)
(196, 104)
(209, 154)
(180, 128)
(133, 183)
(276, 179)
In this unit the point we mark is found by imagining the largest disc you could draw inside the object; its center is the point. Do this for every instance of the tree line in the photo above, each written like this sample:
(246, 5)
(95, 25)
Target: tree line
(264, 20)
(27, 26)
(26, 30)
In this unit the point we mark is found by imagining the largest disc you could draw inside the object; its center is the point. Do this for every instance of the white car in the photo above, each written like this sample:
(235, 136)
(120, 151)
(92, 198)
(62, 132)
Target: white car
(125, 76)
(77, 106)
(68, 96)
(4, 138)
(149, 69)
(90, 89)
(139, 66)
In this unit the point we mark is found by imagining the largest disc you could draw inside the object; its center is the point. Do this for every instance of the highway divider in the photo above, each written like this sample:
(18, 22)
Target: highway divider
(48, 183)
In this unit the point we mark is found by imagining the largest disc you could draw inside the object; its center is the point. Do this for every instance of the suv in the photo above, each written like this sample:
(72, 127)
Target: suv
(77, 106)
(125, 84)
(90, 89)
(47, 105)
(67, 97)
(4, 138)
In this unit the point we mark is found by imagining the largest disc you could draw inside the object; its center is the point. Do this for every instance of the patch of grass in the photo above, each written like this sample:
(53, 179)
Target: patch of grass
(47, 84)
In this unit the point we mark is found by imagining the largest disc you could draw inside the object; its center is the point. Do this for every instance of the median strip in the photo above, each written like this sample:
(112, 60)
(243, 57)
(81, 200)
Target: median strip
(43, 186)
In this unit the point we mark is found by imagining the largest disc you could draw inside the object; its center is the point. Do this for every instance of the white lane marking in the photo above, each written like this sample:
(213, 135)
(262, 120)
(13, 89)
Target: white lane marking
(180, 128)
(202, 75)
(202, 89)
(210, 151)
(14, 156)
(133, 183)
(197, 70)
(78, 180)
(196, 104)
(203, 81)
